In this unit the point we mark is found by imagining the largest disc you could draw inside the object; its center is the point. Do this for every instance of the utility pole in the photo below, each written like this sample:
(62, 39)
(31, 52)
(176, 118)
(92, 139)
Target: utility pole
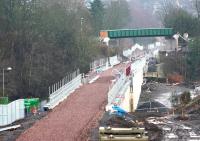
(3, 82)
(7, 69)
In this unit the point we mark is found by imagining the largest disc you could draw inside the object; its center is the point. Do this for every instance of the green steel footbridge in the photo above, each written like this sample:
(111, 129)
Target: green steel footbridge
(141, 32)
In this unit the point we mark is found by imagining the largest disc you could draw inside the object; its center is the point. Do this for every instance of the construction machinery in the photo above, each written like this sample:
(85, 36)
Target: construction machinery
(130, 133)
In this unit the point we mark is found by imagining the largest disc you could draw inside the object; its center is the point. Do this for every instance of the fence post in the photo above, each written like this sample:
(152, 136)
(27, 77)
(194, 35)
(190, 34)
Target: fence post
(49, 90)
(91, 66)
(65, 80)
(54, 87)
(67, 77)
(57, 86)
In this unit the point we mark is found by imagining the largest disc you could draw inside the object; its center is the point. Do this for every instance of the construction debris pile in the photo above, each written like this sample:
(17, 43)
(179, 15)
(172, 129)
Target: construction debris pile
(173, 130)
(169, 127)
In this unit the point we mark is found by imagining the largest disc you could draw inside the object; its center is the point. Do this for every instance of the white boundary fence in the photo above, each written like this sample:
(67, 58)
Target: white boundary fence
(12, 112)
(62, 89)
(56, 87)
(96, 67)
(127, 52)
(114, 60)
(116, 88)
(98, 64)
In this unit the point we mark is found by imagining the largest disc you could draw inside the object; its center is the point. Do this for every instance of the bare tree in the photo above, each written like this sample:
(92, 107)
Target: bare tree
(197, 6)
(165, 8)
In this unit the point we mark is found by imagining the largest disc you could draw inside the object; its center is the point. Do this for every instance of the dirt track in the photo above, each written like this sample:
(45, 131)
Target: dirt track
(73, 118)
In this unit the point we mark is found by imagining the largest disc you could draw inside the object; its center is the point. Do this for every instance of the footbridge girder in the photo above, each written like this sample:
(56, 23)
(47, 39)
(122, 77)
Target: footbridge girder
(141, 32)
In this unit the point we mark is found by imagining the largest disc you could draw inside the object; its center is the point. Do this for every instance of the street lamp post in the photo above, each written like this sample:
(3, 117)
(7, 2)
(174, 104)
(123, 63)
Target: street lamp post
(7, 69)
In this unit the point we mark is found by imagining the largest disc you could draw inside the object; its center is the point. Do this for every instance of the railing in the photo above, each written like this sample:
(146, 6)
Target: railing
(56, 87)
(62, 89)
(120, 96)
(95, 65)
(127, 52)
(116, 88)
(99, 65)
(11, 112)
(114, 60)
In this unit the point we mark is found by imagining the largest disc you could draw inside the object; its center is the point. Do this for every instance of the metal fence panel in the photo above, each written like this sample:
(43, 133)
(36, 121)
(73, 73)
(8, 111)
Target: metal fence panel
(73, 81)
(114, 60)
(11, 112)
(127, 52)
(98, 64)
(115, 89)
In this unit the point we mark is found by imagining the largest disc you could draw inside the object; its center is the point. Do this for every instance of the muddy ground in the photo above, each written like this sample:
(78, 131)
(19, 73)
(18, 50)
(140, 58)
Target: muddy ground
(159, 94)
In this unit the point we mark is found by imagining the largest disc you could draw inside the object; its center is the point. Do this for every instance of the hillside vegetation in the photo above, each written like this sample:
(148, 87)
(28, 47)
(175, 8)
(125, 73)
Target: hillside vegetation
(44, 40)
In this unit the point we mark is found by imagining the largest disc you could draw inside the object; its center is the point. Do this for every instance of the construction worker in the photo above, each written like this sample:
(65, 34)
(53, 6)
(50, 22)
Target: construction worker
(131, 85)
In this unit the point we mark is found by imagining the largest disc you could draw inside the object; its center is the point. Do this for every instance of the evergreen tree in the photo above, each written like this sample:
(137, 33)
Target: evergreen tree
(193, 59)
(97, 12)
